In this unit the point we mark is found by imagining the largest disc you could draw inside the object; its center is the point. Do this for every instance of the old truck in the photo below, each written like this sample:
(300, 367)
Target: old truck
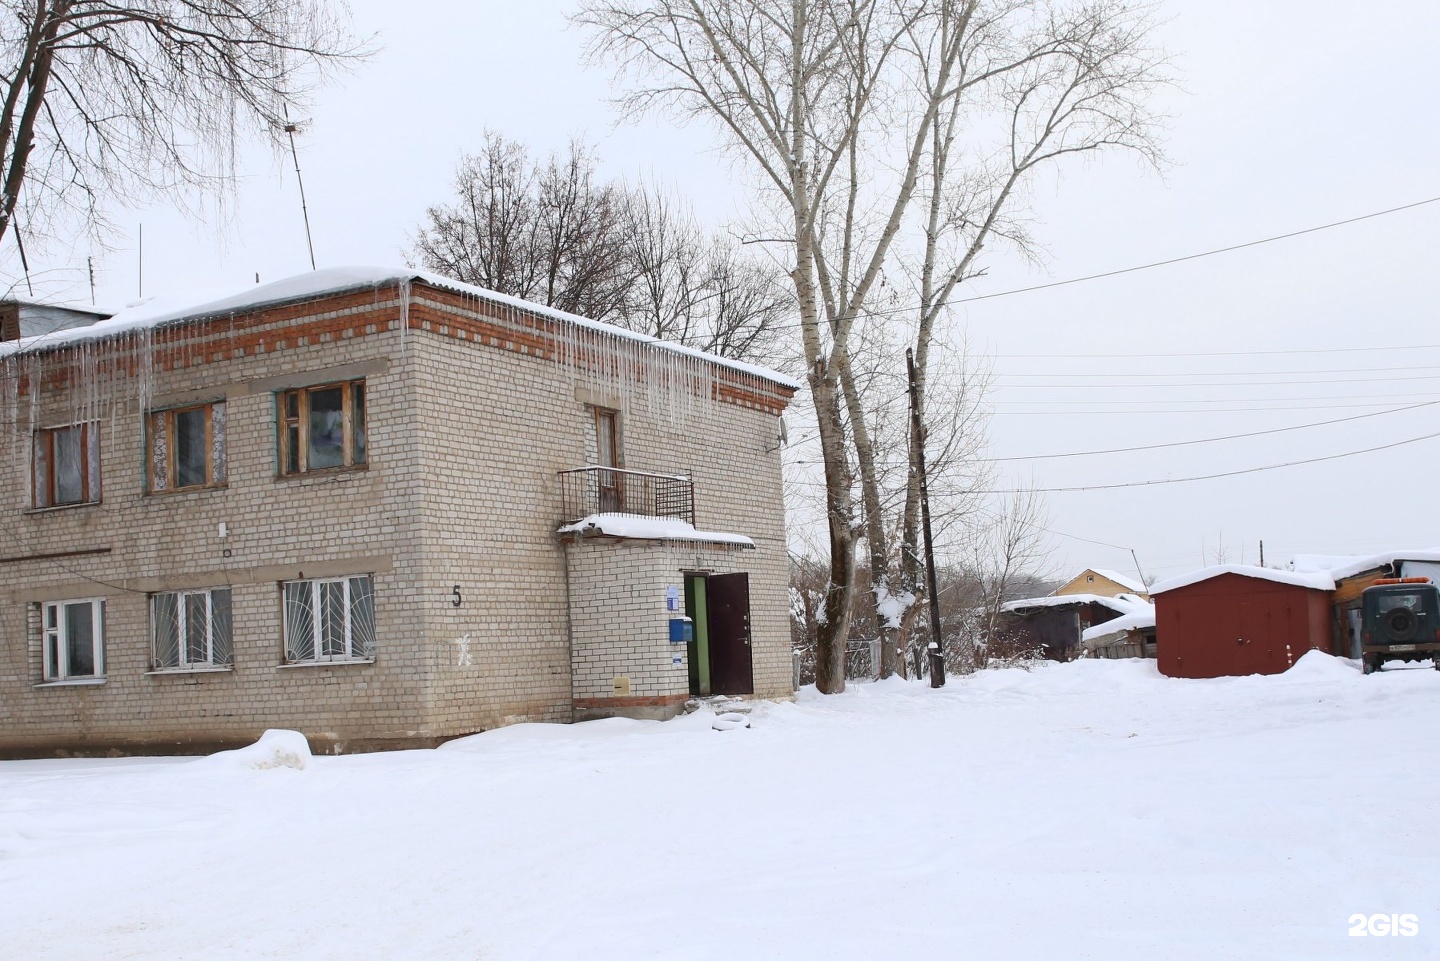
(1400, 621)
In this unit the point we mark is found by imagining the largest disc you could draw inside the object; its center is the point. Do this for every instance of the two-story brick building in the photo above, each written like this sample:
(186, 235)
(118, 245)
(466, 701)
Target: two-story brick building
(382, 508)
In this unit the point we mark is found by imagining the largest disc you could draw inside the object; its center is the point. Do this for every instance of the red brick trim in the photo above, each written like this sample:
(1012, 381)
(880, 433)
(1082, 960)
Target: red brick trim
(360, 313)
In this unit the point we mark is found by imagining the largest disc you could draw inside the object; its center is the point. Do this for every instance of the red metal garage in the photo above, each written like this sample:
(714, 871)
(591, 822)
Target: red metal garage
(1236, 620)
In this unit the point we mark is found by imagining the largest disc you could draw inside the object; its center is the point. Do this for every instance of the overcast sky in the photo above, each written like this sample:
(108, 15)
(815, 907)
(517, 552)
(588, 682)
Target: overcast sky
(1293, 113)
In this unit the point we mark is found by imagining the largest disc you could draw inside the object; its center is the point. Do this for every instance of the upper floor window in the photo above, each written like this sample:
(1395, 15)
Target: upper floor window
(67, 465)
(322, 427)
(187, 447)
(192, 629)
(74, 639)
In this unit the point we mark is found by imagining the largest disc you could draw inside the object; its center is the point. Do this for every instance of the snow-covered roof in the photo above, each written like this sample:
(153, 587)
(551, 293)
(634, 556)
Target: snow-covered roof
(1317, 580)
(1341, 566)
(72, 306)
(650, 529)
(1121, 603)
(158, 311)
(1129, 583)
(1136, 620)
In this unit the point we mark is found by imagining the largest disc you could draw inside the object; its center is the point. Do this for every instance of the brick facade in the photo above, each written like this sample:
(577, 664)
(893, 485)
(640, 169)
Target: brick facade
(473, 404)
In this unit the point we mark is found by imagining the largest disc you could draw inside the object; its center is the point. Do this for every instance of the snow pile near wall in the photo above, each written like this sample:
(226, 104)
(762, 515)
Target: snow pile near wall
(276, 748)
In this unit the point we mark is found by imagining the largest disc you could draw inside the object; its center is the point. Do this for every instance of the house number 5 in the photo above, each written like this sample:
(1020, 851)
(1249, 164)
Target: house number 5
(455, 599)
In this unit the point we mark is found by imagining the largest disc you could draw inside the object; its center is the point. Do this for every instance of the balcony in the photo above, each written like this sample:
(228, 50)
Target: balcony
(612, 490)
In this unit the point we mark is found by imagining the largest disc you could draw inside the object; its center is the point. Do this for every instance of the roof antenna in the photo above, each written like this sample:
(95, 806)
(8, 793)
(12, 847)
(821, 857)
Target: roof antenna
(290, 129)
(140, 268)
(90, 266)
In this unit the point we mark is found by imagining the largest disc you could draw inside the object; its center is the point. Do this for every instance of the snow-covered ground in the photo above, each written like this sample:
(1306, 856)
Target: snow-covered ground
(1087, 810)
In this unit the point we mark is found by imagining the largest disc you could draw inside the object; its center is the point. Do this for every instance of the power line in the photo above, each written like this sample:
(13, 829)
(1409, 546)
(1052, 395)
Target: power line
(1212, 440)
(1200, 477)
(1216, 353)
(1383, 398)
(1247, 383)
(1222, 373)
(1187, 257)
(1068, 411)
(1159, 263)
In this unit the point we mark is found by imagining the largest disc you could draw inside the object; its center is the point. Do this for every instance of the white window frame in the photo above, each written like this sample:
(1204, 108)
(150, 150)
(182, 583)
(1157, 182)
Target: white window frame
(182, 648)
(316, 656)
(55, 639)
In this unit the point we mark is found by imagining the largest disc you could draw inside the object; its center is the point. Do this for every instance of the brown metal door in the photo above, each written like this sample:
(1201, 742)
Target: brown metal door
(730, 663)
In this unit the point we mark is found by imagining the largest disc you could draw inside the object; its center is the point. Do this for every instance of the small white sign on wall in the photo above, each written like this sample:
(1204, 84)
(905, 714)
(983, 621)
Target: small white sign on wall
(672, 598)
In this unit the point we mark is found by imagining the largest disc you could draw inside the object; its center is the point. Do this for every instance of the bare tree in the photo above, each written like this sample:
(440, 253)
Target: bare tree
(695, 288)
(545, 231)
(849, 112)
(120, 99)
(1013, 549)
(552, 232)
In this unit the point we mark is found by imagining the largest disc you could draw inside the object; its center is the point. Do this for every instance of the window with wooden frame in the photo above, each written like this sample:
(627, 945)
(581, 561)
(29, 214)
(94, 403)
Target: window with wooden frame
(74, 633)
(321, 428)
(192, 630)
(66, 465)
(187, 447)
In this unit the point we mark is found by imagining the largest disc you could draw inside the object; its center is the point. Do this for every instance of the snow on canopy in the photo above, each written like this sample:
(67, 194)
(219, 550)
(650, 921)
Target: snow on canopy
(650, 528)
(1316, 580)
(1134, 621)
(165, 310)
(1342, 566)
(1120, 603)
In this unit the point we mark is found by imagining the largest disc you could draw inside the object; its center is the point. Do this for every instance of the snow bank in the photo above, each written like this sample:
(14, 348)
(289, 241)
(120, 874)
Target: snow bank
(276, 748)
(1184, 820)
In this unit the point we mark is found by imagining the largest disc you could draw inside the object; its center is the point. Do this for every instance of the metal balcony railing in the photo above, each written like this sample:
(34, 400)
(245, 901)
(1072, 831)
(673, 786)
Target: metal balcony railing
(613, 490)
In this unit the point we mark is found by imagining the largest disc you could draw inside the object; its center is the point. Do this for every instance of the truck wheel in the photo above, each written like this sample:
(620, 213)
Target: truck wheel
(1371, 665)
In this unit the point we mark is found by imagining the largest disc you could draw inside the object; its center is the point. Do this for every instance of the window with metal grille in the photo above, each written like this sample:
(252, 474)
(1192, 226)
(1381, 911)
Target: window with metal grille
(329, 619)
(187, 447)
(66, 466)
(74, 633)
(192, 630)
(322, 428)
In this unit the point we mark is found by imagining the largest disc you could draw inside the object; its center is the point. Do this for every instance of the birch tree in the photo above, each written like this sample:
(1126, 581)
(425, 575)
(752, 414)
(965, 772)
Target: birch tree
(105, 100)
(890, 138)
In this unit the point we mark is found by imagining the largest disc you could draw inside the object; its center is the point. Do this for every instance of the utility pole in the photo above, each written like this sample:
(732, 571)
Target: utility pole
(917, 431)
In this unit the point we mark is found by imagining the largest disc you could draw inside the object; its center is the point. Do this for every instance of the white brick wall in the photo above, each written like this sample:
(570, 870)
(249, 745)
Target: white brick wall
(461, 490)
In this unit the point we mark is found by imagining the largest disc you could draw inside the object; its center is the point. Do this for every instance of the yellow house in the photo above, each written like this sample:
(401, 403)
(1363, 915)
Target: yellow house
(1104, 583)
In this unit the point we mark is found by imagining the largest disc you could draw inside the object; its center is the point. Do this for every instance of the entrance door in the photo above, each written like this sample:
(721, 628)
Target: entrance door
(728, 597)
